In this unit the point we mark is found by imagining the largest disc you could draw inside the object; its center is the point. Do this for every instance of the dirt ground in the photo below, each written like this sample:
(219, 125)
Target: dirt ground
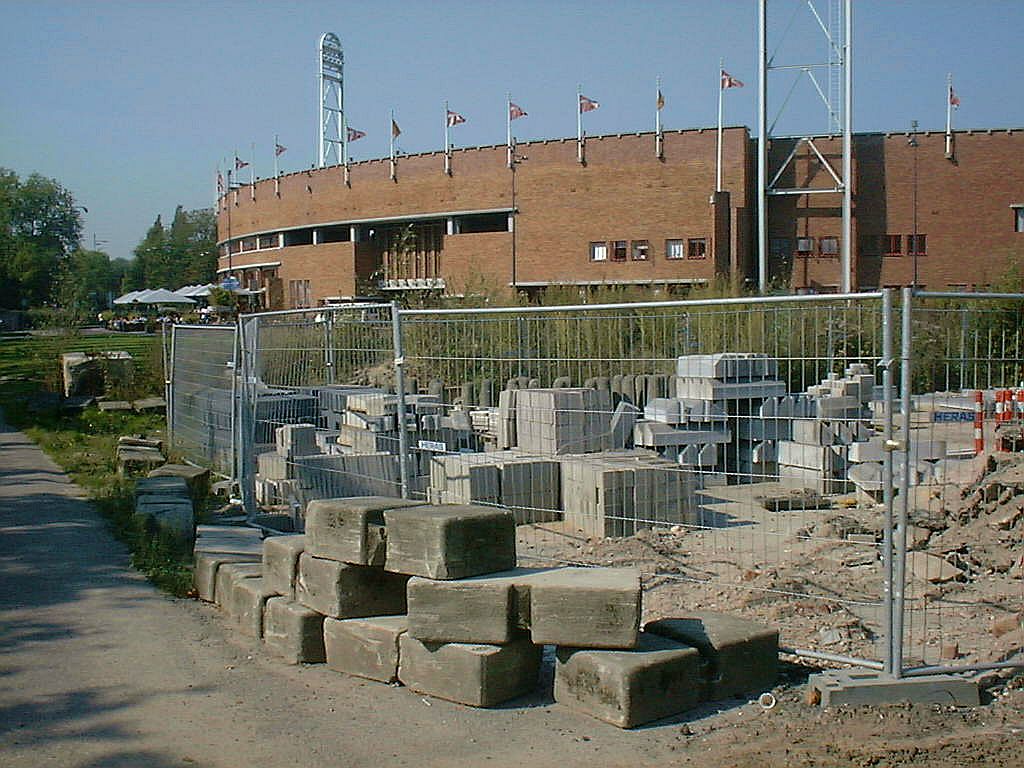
(99, 669)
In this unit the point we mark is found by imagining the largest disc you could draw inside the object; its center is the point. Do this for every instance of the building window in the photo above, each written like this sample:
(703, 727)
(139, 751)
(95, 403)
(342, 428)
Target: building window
(599, 251)
(696, 248)
(1018, 218)
(828, 246)
(619, 250)
(918, 248)
(248, 243)
(298, 237)
(674, 249)
(893, 245)
(641, 248)
(804, 246)
(269, 241)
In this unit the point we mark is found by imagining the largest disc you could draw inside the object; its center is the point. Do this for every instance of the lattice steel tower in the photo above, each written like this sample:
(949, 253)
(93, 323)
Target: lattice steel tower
(837, 95)
(331, 78)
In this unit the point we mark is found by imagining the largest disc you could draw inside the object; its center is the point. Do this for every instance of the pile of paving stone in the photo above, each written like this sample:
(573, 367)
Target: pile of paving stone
(430, 596)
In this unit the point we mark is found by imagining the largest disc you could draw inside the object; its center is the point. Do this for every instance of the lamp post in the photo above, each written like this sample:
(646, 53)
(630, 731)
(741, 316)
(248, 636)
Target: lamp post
(514, 160)
(912, 142)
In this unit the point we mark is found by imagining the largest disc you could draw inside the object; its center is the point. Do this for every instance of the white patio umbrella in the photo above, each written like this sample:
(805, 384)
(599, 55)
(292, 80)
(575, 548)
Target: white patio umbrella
(161, 296)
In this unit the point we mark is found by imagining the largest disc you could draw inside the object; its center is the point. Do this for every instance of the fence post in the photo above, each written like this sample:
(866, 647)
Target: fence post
(169, 387)
(403, 435)
(246, 341)
(332, 376)
(900, 547)
(887, 478)
(979, 424)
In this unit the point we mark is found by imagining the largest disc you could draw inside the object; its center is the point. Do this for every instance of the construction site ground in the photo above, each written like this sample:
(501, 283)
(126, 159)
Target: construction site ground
(97, 668)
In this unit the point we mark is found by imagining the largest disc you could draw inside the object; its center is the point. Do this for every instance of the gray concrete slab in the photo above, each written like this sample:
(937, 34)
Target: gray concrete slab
(450, 542)
(345, 591)
(365, 647)
(196, 478)
(248, 599)
(857, 687)
(293, 631)
(229, 540)
(227, 575)
(204, 575)
(627, 688)
(474, 674)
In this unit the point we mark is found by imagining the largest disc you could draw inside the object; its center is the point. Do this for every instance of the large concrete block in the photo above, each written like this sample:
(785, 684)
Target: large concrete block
(172, 486)
(204, 576)
(365, 647)
(492, 609)
(659, 678)
(229, 540)
(450, 542)
(344, 591)
(281, 562)
(473, 674)
(248, 599)
(727, 365)
(741, 656)
(227, 575)
(556, 421)
(165, 514)
(293, 631)
(586, 607)
(350, 530)
(296, 440)
(197, 478)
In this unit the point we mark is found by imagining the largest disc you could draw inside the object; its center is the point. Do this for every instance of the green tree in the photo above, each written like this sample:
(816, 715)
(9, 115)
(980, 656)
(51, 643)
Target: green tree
(169, 257)
(85, 279)
(39, 226)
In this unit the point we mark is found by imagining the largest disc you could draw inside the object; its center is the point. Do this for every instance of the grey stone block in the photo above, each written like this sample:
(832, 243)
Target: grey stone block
(474, 674)
(586, 607)
(350, 530)
(862, 686)
(492, 609)
(204, 576)
(196, 478)
(248, 598)
(741, 656)
(450, 542)
(344, 591)
(621, 427)
(281, 562)
(229, 540)
(296, 440)
(365, 647)
(293, 631)
(627, 688)
(273, 466)
(165, 514)
(227, 575)
(727, 365)
(712, 389)
(171, 486)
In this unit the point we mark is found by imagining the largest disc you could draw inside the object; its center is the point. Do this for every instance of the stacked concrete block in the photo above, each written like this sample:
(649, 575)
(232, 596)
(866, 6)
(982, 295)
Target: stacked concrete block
(207, 565)
(293, 631)
(619, 493)
(449, 542)
(343, 590)
(295, 440)
(246, 604)
(350, 530)
(561, 421)
(281, 562)
(163, 505)
(657, 679)
(226, 577)
(479, 675)
(357, 474)
(365, 647)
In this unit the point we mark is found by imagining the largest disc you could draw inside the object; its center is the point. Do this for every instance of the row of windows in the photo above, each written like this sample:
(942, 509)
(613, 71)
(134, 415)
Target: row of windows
(640, 250)
(870, 245)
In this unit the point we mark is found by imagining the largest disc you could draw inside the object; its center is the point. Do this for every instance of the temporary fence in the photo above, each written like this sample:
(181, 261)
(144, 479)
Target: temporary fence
(749, 454)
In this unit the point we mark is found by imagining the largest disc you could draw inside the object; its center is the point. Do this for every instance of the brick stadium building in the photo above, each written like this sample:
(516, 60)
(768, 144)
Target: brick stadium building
(627, 217)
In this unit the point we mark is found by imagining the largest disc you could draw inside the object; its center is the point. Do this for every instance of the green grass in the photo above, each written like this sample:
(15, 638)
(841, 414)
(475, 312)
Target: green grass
(84, 444)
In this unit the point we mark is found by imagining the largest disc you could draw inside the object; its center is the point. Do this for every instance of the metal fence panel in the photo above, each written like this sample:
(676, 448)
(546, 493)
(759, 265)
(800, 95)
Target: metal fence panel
(201, 372)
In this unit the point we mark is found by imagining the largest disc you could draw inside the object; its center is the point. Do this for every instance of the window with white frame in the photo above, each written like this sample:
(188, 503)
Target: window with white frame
(599, 251)
(675, 249)
(1018, 218)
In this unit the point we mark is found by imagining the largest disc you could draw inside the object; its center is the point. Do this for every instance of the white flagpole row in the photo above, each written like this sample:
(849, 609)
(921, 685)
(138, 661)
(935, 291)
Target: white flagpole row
(718, 159)
(579, 124)
(447, 142)
(658, 143)
(391, 133)
(508, 125)
(949, 115)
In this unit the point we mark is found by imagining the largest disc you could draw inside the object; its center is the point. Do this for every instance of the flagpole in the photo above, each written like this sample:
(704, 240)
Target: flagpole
(658, 149)
(391, 133)
(447, 142)
(277, 167)
(344, 149)
(229, 176)
(579, 124)
(949, 115)
(252, 170)
(508, 125)
(721, 90)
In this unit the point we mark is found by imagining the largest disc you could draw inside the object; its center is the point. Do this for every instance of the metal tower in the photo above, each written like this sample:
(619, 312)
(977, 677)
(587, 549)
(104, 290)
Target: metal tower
(331, 148)
(837, 96)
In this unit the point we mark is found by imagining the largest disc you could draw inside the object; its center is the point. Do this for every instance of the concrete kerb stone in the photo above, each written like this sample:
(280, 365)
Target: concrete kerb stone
(204, 576)
(627, 688)
(281, 562)
(350, 530)
(248, 600)
(741, 656)
(478, 675)
(293, 631)
(346, 591)
(450, 542)
(365, 647)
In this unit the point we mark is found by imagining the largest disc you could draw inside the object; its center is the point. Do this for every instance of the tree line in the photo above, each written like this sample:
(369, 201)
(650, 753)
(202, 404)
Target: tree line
(43, 262)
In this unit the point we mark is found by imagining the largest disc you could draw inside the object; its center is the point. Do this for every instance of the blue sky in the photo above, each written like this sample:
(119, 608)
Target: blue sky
(132, 105)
